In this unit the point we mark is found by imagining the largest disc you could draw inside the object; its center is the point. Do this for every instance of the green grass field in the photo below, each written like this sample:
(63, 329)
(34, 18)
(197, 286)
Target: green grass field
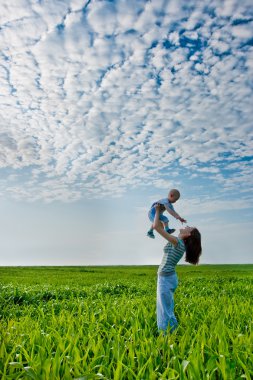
(100, 323)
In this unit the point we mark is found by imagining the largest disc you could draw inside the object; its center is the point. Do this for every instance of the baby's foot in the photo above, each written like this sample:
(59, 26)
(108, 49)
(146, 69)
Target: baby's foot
(150, 234)
(170, 230)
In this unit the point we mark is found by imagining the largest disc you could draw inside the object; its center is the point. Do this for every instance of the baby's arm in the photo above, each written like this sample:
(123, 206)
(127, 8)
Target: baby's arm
(175, 214)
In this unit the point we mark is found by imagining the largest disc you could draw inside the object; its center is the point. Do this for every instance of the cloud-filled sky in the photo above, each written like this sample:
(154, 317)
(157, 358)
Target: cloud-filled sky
(105, 106)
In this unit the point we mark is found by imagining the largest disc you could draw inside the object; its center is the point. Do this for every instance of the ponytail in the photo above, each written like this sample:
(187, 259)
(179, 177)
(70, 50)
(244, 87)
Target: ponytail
(193, 247)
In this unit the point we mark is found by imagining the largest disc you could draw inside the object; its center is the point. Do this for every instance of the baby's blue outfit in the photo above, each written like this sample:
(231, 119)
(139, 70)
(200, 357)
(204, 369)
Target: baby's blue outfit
(152, 211)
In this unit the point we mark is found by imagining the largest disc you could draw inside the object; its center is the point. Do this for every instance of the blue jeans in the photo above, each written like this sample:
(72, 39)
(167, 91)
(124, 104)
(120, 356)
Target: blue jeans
(166, 286)
(151, 215)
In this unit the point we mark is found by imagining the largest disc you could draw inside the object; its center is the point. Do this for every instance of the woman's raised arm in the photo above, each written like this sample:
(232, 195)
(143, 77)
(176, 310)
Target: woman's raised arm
(159, 228)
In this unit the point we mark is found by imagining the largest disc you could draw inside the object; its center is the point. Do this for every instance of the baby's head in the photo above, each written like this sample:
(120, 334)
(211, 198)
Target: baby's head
(173, 195)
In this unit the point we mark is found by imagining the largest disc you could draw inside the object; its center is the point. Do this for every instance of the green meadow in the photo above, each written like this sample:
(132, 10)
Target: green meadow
(100, 323)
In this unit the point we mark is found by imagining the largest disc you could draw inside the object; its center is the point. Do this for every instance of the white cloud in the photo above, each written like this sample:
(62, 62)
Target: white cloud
(211, 206)
(100, 96)
(243, 31)
(102, 17)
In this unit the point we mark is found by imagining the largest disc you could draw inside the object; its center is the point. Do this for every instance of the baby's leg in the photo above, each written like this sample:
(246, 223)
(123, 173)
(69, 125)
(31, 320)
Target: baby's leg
(165, 222)
(165, 225)
(150, 232)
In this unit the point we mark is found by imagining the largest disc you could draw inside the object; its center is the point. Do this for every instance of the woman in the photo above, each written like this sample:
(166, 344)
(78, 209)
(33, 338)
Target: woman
(189, 242)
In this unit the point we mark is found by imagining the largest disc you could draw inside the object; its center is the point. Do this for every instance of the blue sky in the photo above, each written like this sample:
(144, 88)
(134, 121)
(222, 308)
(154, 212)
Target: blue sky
(105, 106)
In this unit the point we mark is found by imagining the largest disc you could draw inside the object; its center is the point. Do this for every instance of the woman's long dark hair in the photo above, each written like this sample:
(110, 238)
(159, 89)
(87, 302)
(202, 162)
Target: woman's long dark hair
(193, 247)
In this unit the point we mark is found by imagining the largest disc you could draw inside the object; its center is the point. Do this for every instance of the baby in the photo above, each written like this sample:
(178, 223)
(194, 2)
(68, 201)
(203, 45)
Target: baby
(165, 204)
